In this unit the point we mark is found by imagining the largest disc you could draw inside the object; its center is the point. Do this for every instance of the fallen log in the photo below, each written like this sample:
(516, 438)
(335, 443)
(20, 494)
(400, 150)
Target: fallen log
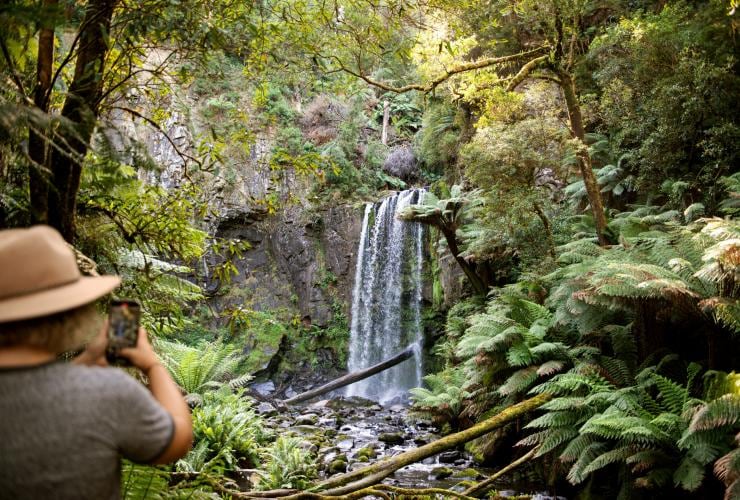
(373, 474)
(353, 377)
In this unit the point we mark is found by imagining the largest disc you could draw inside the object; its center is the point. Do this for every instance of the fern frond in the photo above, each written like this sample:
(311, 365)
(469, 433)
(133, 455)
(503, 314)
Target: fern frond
(672, 395)
(555, 438)
(519, 381)
(616, 370)
(727, 467)
(577, 447)
(689, 474)
(519, 355)
(607, 458)
(564, 403)
(576, 473)
(555, 419)
(721, 412)
(550, 368)
(236, 383)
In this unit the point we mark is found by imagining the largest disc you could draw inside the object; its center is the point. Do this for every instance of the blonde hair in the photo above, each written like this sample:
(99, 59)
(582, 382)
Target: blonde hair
(57, 333)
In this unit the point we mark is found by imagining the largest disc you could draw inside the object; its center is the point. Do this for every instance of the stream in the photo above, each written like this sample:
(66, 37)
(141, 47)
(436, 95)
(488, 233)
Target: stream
(347, 433)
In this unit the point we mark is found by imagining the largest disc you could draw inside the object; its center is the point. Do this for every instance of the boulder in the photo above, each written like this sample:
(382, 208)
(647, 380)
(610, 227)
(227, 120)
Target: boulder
(439, 473)
(307, 419)
(366, 453)
(264, 388)
(391, 438)
(342, 403)
(449, 457)
(266, 409)
(346, 444)
(337, 466)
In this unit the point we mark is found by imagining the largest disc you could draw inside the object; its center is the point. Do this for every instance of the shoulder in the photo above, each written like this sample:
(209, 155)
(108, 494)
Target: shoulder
(104, 380)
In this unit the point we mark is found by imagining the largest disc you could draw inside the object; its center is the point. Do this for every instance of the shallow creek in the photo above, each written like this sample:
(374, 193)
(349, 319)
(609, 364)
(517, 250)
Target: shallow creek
(349, 433)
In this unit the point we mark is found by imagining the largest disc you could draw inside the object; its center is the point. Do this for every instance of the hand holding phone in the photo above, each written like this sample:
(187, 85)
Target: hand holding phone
(123, 329)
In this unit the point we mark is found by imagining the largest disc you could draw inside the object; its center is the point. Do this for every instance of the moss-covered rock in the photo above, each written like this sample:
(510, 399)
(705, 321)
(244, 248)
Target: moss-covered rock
(467, 474)
(439, 473)
(262, 339)
(366, 453)
(391, 438)
(338, 464)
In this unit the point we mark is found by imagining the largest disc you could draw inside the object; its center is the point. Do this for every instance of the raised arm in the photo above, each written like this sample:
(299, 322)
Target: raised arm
(167, 393)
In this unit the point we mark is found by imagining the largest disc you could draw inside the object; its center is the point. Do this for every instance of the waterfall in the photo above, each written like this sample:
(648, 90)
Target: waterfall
(386, 299)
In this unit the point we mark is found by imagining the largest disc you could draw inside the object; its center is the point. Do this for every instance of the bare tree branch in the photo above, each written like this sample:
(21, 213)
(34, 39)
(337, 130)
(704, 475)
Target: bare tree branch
(13, 73)
(185, 157)
(434, 83)
(524, 72)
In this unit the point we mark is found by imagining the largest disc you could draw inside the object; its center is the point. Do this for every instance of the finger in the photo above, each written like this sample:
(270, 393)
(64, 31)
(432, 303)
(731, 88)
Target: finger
(143, 336)
(127, 351)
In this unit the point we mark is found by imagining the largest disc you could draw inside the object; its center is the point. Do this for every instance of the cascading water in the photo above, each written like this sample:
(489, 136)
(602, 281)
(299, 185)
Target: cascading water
(386, 299)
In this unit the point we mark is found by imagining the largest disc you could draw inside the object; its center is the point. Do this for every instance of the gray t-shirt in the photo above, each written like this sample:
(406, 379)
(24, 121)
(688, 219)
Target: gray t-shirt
(64, 427)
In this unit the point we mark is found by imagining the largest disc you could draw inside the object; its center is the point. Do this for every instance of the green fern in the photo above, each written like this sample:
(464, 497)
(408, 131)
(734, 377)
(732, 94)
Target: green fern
(197, 369)
(286, 465)
(141, 482)
(443, 397)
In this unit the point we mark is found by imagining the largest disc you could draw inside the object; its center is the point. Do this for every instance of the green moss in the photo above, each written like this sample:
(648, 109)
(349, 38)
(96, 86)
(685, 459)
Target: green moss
(366, 453)
(476, 451)
(441, 472)
(261, 340)
(467, 473)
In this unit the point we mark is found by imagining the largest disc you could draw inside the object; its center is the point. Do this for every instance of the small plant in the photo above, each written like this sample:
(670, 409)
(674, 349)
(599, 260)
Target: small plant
(444, 397)
(227, 433)
(196, 369)
(286, 465)
(139, 482)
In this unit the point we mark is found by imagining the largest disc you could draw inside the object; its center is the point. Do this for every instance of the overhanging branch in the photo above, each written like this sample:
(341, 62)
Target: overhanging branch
(460, 68)
(524, 72)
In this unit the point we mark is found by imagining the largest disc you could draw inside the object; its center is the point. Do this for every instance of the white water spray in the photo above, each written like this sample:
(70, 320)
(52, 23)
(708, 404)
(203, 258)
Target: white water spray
(386, 299)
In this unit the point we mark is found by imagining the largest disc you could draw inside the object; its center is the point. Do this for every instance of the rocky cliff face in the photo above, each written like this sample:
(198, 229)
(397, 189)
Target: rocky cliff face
(301, 262)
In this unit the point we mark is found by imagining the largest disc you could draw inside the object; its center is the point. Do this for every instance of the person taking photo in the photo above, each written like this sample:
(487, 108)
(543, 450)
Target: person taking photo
(64, 426)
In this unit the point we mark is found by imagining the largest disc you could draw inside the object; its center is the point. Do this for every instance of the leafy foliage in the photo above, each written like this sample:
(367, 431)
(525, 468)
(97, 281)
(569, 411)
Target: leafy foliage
(443, 397)
(227, 432)
(196, 369)
(286, 465)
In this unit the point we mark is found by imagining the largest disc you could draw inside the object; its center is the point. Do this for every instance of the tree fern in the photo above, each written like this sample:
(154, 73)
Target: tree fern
(443, 397)
(694, 269)
(196, 369)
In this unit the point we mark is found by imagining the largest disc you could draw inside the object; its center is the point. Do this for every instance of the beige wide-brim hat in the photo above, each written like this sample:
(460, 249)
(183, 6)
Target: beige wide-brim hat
(39, 275)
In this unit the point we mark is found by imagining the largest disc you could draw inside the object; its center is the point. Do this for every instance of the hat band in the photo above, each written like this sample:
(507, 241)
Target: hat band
(39, 290)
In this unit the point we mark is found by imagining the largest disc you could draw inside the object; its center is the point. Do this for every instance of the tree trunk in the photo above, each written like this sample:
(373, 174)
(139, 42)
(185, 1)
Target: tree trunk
(380, 470)
(476, 281)
(38, 175)
(386, 122)
(584, 159)
(81, 111)
(548, 229)
(353, 377)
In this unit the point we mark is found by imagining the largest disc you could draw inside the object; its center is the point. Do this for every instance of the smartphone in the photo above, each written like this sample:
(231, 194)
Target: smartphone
(123, 329)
